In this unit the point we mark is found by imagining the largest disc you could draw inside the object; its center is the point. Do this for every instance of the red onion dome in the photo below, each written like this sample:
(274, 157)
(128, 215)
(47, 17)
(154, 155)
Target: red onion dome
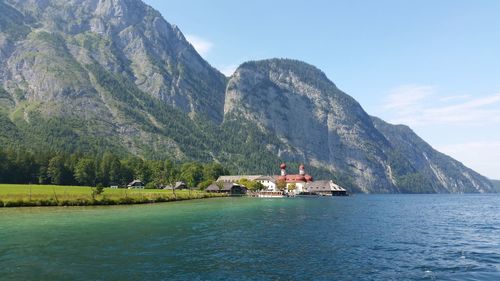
(308, 178)
(283, 166)
(301, 167)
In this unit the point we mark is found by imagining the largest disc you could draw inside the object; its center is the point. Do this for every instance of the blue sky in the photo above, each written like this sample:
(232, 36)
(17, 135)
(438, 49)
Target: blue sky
(432, 65)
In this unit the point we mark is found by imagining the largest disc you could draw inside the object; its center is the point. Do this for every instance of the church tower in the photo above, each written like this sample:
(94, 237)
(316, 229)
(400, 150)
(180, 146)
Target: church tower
(302, 172)
(283, 169)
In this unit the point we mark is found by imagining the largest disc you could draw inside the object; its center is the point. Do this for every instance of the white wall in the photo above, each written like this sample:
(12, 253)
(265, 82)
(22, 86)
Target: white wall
(269, 185)
(299, 187)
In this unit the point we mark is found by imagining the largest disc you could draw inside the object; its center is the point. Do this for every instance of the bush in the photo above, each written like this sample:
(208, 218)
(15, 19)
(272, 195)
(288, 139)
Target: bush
(49, 202)
(107, 201)
(125, 200)
(204, 184)
(97, 190)
(18, 203)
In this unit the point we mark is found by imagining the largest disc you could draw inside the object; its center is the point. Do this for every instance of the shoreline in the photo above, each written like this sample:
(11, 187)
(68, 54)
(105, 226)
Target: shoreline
(101, 202)
(12, 196)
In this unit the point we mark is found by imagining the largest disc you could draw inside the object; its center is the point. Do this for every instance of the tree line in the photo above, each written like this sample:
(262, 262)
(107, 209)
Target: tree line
(25, 167)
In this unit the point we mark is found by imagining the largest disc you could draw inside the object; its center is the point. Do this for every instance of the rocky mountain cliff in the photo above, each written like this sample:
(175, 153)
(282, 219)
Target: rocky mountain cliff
(98, 75)
(105, 71)
(413, 160)
(124, 37)
(321, 125)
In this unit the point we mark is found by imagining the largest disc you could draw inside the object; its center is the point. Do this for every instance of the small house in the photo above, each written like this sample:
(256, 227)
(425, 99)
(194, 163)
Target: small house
(135, 184)
(268, 182)
(227, 187)
(180, 185)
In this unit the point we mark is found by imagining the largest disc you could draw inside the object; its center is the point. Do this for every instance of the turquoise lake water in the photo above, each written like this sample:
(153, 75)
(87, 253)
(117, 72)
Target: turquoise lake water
(362, 237)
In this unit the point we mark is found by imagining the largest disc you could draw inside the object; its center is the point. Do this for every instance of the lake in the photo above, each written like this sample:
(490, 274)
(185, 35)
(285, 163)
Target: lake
(362, 237)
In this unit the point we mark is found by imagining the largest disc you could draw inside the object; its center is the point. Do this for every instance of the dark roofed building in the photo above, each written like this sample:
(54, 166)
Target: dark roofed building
(227, 187)
(136, 184)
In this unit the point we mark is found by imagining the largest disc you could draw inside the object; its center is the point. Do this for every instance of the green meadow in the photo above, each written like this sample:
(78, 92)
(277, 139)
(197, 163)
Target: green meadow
(20, 195)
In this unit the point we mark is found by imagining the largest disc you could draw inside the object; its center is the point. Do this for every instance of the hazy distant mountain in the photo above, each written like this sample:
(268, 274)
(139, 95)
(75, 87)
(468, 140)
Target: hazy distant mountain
(97, 75)
(412, 159)
(496, 185)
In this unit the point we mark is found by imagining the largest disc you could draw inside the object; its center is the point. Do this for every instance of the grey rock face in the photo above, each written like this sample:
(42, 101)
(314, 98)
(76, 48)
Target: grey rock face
(444, 173)
(321, 125)
(125, 37)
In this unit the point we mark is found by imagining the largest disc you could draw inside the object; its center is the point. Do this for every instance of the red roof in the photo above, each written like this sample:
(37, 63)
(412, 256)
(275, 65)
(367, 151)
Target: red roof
(294, 178)
(308, 178)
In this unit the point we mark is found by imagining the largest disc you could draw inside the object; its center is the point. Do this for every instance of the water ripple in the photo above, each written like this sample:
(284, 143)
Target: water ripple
(376, 237)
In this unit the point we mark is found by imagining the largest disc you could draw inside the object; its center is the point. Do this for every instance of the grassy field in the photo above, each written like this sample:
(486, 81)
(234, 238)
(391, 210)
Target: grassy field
(18, 195)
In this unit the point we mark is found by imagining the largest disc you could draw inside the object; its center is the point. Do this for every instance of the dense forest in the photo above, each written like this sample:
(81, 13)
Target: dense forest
(21, 166)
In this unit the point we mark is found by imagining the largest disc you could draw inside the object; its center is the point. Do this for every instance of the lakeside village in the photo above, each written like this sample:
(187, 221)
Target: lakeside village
(283, 185)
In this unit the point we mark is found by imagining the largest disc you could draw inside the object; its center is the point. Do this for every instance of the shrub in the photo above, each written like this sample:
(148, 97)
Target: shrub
(125, 200)
(17, 203)
(204, 184)
(107, 201)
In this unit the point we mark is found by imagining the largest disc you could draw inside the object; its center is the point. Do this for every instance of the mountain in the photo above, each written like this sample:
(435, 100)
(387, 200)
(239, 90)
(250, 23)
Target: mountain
(102, 74)
(412, 159)
(112, 75)
(319, 124)
(496, 185)
(122, 37)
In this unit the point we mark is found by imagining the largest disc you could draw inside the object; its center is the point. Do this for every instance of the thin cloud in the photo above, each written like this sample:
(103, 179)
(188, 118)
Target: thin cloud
(477, 103)
(421, 106)
(407, 96)
(452, 98)
(202, 46)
